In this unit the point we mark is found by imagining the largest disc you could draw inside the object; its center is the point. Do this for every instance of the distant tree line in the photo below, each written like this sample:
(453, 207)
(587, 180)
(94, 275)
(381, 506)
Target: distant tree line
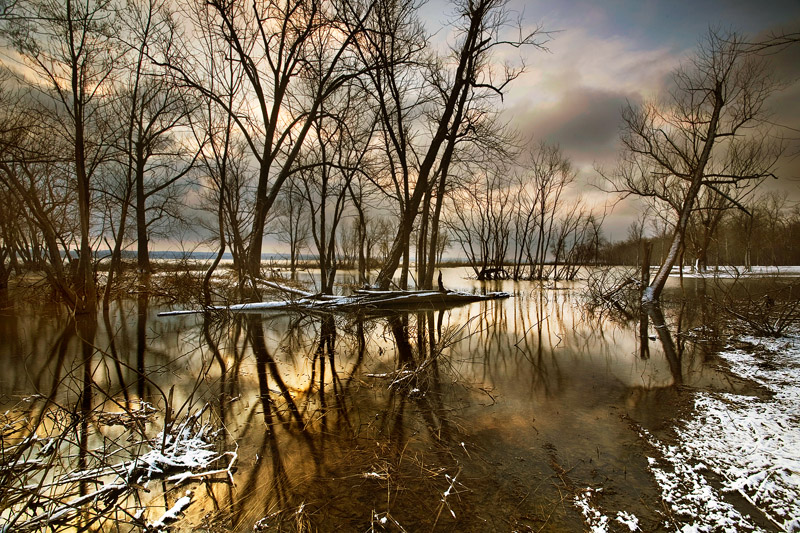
(766, 234)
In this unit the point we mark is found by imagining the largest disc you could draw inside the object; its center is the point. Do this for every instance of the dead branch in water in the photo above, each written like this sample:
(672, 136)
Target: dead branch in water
(361, 300)
(768, 312)
(613, 290)
(45, 488)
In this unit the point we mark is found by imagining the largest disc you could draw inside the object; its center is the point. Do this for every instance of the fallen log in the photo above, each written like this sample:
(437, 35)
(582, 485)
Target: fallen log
(362, 300)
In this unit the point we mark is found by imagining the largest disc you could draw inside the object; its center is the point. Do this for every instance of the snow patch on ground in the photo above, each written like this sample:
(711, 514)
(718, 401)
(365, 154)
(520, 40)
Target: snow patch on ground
(751, 444)
(686, 490)
(596, 521)
(629, 520)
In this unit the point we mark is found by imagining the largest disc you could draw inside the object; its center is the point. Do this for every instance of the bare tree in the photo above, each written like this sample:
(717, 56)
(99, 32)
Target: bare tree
(549, 174)
(395, 40)
(480, 220)
(769, 231)
(707, 218)
(67, 47)
(517, 223)
(274, 42)
(361, 194)
(574, 236)
(12, 218)
(701, 136)
(291, 222)
(479, 143)
(335, 154)
(33, 176)
(153, 109)
(479, 27)
(775, 41)
(223, 163)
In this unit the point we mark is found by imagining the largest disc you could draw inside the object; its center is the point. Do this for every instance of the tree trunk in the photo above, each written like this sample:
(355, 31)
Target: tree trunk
(422, 243)
(406, 261)
(444, 169)
(671, 353)
(433, 257)
(452, 111)
(222, 244)
(653, 292)
(141, 346)
(362, 257)
(85, 287)
(116, 255)
(645, 279)
(748, 246)
(5, 274)
(142, 249)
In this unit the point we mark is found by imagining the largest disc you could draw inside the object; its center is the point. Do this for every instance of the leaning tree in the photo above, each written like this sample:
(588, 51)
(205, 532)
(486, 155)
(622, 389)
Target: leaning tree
(709, 133)
(481, 30)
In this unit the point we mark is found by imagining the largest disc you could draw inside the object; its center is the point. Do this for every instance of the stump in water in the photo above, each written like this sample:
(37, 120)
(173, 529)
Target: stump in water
(492, 273)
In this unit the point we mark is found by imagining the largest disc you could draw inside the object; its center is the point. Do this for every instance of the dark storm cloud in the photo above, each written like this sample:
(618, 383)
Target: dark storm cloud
(585, 123)
(784, 65)
(784, 104)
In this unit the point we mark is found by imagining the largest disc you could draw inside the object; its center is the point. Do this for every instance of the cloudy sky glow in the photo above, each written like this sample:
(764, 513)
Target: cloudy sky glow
(603, 54)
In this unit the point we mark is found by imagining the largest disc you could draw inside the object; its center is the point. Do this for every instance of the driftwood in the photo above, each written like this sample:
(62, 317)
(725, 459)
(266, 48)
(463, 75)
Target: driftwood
(362, 300)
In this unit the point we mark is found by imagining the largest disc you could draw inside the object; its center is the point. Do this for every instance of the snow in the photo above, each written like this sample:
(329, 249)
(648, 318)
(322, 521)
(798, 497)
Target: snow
(686, 490)
(450, 490)
(258, 306)
(594, 519)
(65, 511)
(647, 295)
(172, 514)
(115, 473)
(364, 299)
(737, 271)
(751, 444)
(184, 451)
(284, 288)
(627, 519)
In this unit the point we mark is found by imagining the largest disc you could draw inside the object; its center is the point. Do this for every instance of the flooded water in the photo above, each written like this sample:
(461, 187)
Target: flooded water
(488, 417)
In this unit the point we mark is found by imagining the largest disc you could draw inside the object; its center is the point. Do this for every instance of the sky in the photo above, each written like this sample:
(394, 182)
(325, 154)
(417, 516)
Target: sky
(603, 54)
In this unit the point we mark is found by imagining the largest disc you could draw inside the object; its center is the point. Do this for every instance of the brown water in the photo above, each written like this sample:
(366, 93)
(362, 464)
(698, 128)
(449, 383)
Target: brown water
(487, 417)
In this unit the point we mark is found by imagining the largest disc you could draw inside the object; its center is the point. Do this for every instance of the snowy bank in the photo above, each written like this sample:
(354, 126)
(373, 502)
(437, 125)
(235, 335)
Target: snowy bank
(737, 272)
(739, 444)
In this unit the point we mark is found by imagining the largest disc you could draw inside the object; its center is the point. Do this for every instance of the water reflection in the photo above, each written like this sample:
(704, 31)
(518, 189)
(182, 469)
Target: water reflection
(481, 417)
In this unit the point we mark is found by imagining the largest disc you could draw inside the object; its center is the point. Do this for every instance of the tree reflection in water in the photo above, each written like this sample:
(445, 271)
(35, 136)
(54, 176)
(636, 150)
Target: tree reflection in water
(76, 449)
(336, 440)
(488, 416)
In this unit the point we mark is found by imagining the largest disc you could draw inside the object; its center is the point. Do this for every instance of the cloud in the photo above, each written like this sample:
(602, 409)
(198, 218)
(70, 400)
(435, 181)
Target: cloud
(585, 123)
(624, 51)
(573, 96)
